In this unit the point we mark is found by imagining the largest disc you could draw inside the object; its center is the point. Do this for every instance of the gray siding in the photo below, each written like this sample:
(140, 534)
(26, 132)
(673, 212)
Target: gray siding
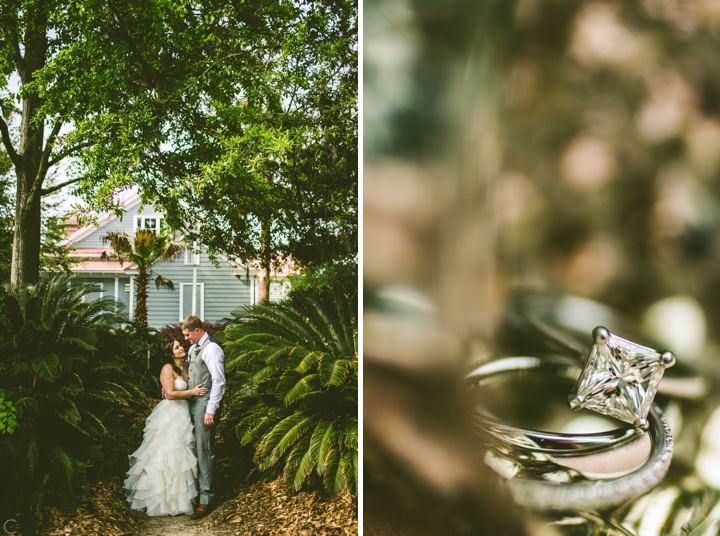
(94, 239)
(223, 291)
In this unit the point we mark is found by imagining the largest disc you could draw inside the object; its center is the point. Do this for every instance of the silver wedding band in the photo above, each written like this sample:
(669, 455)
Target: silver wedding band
(555, 444)
(534, 463)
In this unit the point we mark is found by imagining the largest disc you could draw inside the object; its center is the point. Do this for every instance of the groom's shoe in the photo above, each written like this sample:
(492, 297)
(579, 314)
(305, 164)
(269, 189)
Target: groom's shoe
(201, 511)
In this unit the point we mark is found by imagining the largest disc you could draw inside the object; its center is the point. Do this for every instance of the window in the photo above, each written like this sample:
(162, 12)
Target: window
(147, 222)
(191, 257)
(92, 296)
(279, 290)
(186, 297)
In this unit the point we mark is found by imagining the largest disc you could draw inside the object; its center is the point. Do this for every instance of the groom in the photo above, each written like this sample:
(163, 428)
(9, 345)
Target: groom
(205, 366)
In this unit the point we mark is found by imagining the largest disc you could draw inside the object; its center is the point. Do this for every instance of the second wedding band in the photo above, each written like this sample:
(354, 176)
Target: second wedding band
(552, 443)
(619, 379)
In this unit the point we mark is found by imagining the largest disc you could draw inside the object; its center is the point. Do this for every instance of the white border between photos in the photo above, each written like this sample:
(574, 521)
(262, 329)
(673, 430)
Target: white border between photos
(360, 268)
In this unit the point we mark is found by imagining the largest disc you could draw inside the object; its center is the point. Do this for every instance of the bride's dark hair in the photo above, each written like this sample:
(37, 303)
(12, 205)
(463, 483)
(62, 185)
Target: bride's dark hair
(170, 357)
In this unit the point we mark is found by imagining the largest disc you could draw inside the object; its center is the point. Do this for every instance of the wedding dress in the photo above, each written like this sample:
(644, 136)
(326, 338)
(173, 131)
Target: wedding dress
(163, 471)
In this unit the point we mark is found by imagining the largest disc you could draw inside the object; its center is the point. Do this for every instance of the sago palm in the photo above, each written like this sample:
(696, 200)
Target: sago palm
(61, 365)
(144, 250)
(293, 382)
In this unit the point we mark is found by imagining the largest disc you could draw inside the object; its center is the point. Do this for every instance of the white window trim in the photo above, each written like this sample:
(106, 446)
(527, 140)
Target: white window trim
(158, 217)
(201, 297)
(255, 283)
(100, 290)
(131, 304)
(195, 256)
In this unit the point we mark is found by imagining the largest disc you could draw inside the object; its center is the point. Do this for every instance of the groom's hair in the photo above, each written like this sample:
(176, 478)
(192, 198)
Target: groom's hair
(191, 323)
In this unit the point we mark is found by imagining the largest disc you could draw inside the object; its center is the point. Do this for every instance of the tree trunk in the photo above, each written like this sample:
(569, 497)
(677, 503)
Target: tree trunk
(25, 268)
(265, 263)
(141, 311)
(30, 163)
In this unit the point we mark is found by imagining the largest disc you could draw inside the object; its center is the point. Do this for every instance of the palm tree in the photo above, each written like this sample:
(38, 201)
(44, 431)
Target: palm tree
(294, 391)
(144, 252)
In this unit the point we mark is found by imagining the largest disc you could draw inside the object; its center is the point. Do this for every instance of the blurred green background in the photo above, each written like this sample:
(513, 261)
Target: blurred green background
(571, 145)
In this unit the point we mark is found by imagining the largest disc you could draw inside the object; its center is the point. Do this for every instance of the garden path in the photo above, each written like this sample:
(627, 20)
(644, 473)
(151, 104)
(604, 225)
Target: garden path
(180, 526)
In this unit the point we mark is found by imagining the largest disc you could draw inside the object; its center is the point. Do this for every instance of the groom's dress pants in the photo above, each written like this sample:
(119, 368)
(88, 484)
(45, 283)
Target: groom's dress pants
(204, 445)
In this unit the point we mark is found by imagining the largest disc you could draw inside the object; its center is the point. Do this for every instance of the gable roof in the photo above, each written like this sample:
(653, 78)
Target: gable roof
(89, 258)
(103, 220)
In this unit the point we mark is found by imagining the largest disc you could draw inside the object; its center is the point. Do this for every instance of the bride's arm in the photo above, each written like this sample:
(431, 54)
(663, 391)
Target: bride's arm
(168, 382)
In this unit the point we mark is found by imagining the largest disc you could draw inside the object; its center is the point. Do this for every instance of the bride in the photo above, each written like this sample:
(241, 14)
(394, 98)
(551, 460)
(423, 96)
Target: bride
(163, 471)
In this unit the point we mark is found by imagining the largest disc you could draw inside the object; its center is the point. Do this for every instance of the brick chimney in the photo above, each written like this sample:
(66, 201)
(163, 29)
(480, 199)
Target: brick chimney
(71, 225)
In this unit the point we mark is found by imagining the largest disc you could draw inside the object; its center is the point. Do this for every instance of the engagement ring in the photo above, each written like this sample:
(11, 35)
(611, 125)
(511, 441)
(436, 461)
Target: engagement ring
(584, 471)
(536, 322)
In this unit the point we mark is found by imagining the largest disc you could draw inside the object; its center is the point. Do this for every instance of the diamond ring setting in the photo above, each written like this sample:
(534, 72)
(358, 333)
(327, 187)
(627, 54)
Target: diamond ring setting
(548, 324)
(620, 379)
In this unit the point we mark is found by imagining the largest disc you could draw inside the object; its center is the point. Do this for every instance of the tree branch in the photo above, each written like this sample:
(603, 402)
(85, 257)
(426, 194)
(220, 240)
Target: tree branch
(53, 189)
(8, 142)
(130, 42)
(15, 46)
(67, 152)
(45, 159)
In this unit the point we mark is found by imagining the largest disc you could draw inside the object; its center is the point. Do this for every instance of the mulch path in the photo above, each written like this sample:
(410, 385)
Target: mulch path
(260, 509)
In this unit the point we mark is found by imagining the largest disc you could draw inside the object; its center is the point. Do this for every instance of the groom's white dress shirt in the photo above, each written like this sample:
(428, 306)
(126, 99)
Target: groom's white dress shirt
(214, 358)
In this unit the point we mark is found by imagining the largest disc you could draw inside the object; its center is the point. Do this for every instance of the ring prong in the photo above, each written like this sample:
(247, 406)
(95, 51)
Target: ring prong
(668, 359)
(641, 426)
(576, 402)
(600, 335)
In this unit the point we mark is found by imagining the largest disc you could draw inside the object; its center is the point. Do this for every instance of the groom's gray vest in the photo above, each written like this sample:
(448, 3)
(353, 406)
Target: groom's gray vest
(198, 373)
(204, 436)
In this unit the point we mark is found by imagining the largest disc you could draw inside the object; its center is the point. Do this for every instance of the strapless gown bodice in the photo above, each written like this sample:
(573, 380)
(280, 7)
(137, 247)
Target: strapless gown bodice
(162, 479)
(180, 384)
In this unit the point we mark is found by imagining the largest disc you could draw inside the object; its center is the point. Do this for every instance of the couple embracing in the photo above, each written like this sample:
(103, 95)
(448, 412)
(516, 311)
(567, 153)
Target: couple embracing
(175, 463)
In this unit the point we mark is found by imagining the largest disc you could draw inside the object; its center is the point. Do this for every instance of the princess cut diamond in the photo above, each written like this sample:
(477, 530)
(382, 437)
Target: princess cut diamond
(620, 378)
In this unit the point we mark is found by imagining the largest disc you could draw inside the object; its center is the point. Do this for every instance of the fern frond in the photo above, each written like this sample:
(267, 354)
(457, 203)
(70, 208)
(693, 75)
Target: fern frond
(309, 359)
(285, 434)
(349, 470)
(303, 469)
(300, 388)
(333, 478)
(322, 443)
(334, 371)
(294, 460)
(65, 469)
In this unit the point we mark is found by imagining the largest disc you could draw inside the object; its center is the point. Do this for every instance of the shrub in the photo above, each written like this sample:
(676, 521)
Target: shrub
(292, 386)
(63, 364)
(8, 416)
(124, 423)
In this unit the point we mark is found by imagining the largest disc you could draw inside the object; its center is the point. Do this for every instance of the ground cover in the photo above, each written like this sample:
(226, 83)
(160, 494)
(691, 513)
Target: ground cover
(252, 509)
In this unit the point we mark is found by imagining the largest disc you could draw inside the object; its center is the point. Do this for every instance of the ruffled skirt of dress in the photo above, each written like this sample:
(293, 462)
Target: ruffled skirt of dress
(163, 471)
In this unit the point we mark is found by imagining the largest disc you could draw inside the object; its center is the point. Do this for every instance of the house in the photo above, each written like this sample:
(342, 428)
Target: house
(201, 288)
